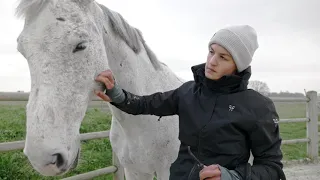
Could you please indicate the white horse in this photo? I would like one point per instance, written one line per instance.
(67, 43)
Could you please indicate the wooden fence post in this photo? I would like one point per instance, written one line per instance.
(119, 174)
(312, 125)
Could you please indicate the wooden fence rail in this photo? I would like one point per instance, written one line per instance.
(311, 120)
(18, 145)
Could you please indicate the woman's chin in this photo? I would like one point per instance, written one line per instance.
(211, 76)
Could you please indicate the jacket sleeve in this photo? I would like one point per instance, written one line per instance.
(265, 146)
(227, 174)
(159, 103)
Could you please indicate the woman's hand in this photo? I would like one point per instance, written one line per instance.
(105, 77)
(211, 172)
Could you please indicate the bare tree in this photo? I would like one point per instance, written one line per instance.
(259, 86)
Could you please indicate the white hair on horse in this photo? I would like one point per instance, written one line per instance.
(67, 43)
(132, 36)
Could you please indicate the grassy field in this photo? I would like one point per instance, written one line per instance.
(97, 153)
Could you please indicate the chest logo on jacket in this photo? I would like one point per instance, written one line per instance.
(231, 108)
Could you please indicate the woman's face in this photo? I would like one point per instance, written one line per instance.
(219, 63)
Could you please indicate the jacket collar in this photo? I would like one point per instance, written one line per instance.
(226, 84)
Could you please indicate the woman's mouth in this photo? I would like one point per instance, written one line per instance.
(210, 70)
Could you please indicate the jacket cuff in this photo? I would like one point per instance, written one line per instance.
(116, 94)
(227, 174)
(123, 101)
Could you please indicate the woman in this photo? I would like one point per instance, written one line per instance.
(220, 120)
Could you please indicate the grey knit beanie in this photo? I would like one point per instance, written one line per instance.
(240, 41)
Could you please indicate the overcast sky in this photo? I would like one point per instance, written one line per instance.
(178, 32)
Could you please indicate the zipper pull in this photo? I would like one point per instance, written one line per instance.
(200, 165)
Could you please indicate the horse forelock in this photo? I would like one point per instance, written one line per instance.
(30, 7)
(132, 36)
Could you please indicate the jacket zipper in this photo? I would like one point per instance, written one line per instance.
(195, 165)
(213, 110)
(199, 138)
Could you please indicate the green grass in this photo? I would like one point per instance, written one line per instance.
(293, 130)
(97, 154)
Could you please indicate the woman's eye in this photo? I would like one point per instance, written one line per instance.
(80, 47)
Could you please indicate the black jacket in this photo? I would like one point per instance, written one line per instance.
(221, 121)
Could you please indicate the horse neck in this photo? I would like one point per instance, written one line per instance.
(134, 72)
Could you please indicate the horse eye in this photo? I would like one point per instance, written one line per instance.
(80, 47)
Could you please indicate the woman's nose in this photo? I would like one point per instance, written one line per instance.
(213, 60)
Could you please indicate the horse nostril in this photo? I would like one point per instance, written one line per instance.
(58, 160)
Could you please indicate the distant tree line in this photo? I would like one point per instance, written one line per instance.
(286, 94)
(264, 89)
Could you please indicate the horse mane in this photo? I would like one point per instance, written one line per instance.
(132, 36)
(28, 8)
